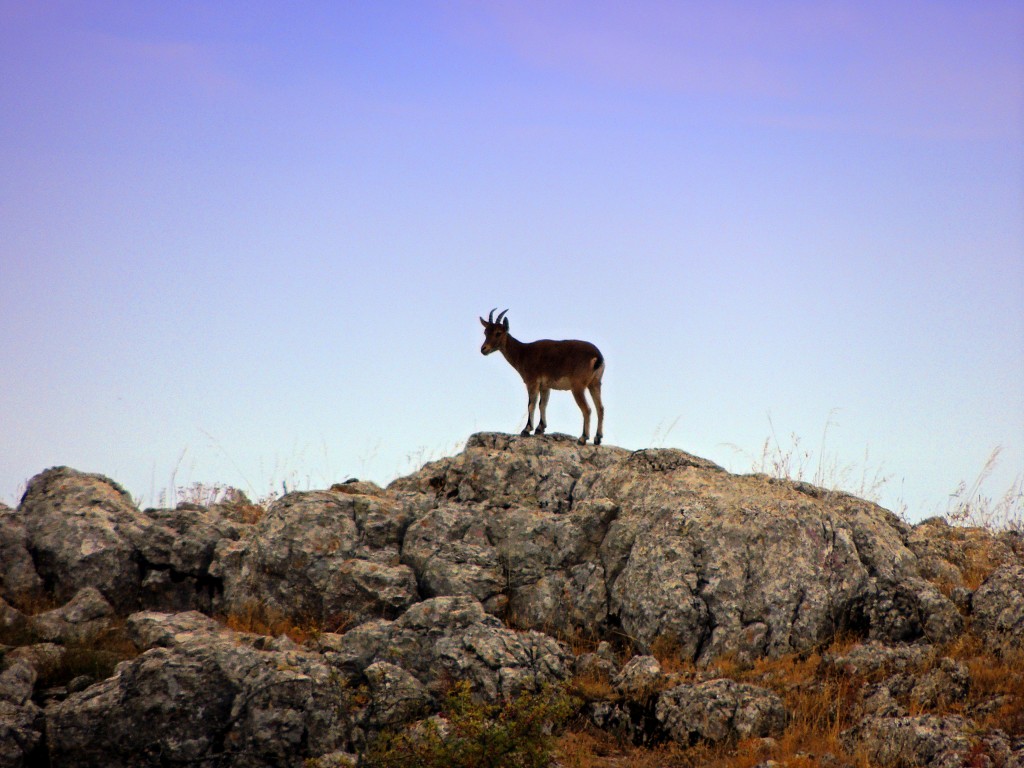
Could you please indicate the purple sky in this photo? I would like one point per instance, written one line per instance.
(247, 243)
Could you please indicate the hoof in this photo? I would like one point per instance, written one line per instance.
(525, 432)
(597, 439)
(582, 440)
(539, 431)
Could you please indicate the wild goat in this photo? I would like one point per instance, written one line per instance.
(546, 365)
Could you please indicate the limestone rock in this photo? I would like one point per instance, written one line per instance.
(952, 556)
(896, 742)
(453, 638)
(467, 570)
(81, 528)
(209, 695)
(720, 710)
(509, 470)
(565, 538)
(638, 679)
(177, 552)
(999, 606)
(84, 616)
(320, 556)
(19, 581)
(904, 678)
(397, 696)
(21, 721)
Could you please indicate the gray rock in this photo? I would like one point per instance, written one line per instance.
(84, 530)
(17, 682)
(44, 658)
(397, 696)
(509, 470)
(720, 711)
(86, 615)
(999, 607)
(574, 541)
(176, 554)
(535, 568)
(453, 638)
(901, 742)
(14, 625)
(153, 629)
(21, 732)
(325, 557)
(566, 538)
(209, 696)
(905, 678)
(639, 678)
(19, 581)
(81, 529)
(952, 556)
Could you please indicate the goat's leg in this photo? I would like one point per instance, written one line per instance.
(581, 401)
(595, 395)
(531, 403)
(545, 393)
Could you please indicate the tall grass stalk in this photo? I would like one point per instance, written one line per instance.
(972, 505)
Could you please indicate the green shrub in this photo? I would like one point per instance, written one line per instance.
(515, 733)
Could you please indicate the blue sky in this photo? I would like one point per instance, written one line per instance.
(248, 243)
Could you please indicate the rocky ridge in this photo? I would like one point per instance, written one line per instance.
(489, 567)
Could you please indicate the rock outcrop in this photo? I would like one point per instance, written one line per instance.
(480, 568)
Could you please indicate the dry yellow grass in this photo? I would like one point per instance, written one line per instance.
(823, 700)
(260, 619)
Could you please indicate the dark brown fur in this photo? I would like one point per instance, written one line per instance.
(545, 365)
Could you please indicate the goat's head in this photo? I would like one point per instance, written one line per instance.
(495, 332)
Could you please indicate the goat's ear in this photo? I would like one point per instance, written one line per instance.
(483, 322)
(505, 323)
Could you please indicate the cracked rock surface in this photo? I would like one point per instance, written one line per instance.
(476, 568)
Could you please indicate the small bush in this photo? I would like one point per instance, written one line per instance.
(515, 733)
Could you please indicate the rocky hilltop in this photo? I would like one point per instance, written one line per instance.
(231, 635)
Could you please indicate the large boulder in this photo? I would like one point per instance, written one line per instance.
(663, 544)
(901, 742)
(75, 530)
(453, 638)
(83, 617)
(505, 470)
(177, 553)
(203, 695)
(324, 557)
(83, 531)
(999, 607)
(720, 710)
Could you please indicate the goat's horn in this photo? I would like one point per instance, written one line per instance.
(501, 315)
(490, 317)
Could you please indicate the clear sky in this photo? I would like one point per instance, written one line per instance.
(248, 242)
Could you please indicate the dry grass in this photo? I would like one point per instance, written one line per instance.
(593, 686)
(996, 695)
(972, 505)
(823, 700)
(260, 619)
(668, 651)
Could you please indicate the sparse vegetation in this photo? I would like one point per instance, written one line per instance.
(971, 504)
(515, 733)
(260, 619)
(823, 700)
